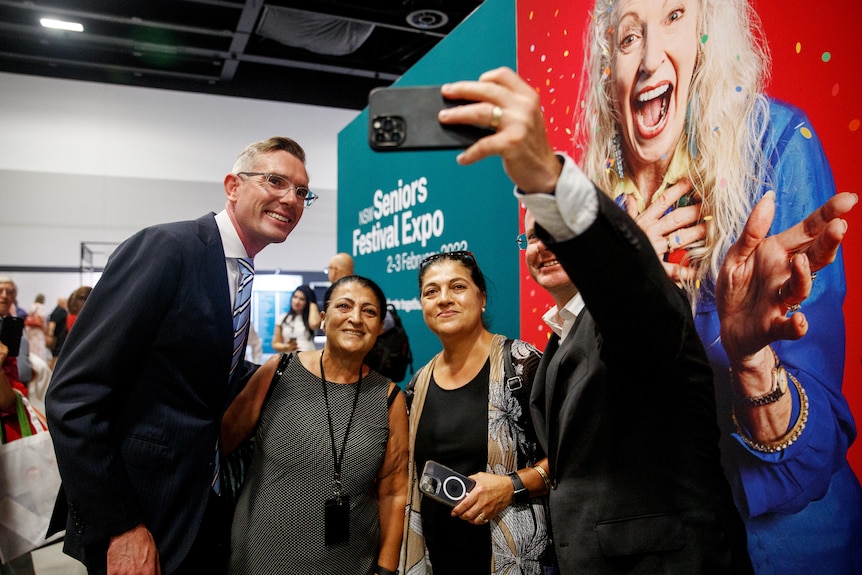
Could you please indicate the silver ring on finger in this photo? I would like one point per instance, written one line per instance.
(482, 518)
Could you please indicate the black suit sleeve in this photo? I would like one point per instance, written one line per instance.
(643, 316)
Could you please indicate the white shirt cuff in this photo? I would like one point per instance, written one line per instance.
(571, 209)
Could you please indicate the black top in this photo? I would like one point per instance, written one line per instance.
(453, 431)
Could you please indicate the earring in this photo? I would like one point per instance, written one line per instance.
(618, 156)
(483, 310)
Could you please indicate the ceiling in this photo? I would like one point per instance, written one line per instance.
(322, 52)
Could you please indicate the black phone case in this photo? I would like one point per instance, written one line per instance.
(443, 484)
(10, 334)
(405, 118)
(337, 520)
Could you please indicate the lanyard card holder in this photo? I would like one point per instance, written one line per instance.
(337, 519)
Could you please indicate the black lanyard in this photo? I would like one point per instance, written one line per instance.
(338, 459)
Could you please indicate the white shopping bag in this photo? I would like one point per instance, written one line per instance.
(29, 482)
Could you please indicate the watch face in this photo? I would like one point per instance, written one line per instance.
(782, 381)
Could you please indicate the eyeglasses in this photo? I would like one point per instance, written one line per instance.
(462, 256)
(524, 240)
(281, 186)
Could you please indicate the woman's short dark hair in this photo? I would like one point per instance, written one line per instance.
(364, 282)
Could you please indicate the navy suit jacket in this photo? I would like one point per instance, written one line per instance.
(625, 410)
(136, 400)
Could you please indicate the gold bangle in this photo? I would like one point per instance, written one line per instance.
(544, 476)
(790, 437)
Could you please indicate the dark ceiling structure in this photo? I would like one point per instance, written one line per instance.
(321, 52)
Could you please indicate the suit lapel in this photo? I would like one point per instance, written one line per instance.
(558, 384)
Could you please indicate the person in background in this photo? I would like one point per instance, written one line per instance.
(340, 265)
(76, 304)
(330, 434)
(254, 349)
(10, 384)
(151, 362)
(56, 332)
(678, 129)
(25, 369)
(294, 330)
(35, 325)
(467, 415)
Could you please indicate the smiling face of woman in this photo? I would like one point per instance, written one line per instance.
(353, 319)
(451, 302)
(651, 72)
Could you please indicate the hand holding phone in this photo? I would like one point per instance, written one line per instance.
(405, 118)
(443, 484)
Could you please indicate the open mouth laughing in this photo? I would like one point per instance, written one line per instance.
(650, 109)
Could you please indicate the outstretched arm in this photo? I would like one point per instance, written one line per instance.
(240, 419)
(761, 280)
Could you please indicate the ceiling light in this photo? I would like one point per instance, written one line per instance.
(61, 25)
(427, 19)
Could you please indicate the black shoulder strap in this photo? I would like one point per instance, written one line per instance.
(513, 382)
(392, 395)
(279, 371)
(390, 309)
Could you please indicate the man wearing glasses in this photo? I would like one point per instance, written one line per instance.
(137, 397)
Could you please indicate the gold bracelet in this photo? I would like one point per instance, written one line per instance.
(544, 475)
(790, 437)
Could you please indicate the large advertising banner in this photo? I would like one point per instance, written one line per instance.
(815, 67)
(396, 208)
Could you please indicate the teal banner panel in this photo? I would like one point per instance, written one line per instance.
(395, 208)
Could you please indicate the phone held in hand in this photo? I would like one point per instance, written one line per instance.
(405, 118)
(443, 484)
(10, 334)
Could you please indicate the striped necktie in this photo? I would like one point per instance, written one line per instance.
(242, 310)
(241, 318)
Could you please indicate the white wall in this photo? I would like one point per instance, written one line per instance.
(85, 162)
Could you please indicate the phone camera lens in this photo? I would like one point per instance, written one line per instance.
(429, 485)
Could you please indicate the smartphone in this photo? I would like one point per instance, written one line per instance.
(443, 484)
(405, 118)
(10, 334)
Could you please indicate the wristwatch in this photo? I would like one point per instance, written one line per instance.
(779, 387)
(521, 495)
